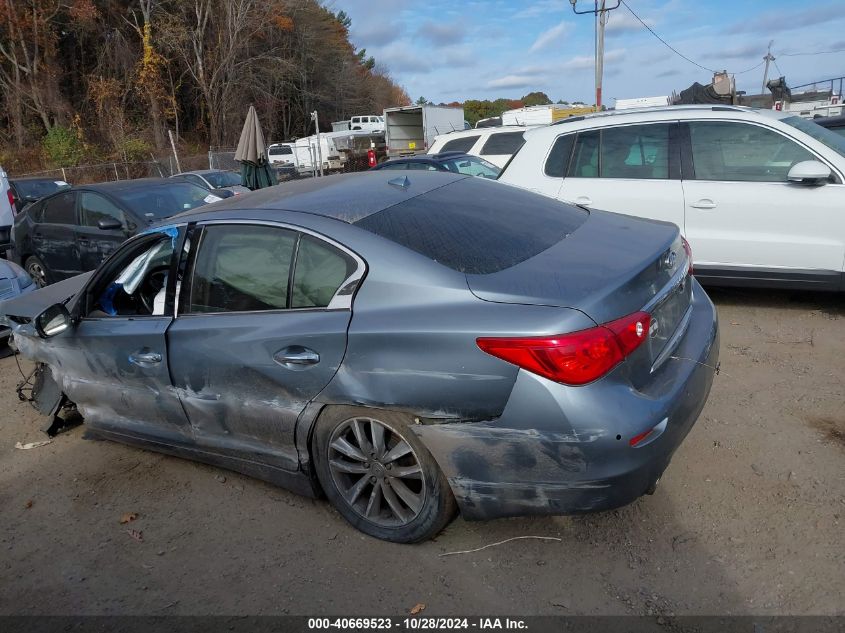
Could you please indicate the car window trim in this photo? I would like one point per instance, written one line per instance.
(107, 267)
(341, 300)
(834, 170)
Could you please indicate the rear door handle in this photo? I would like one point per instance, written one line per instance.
(583, 200)
(145, 358)
(296, 357)
(704, 203)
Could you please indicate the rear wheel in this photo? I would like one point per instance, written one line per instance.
(379, 476)
(38, 271)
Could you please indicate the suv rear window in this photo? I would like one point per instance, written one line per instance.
(502, 143)
(476, 226)
(459, 144)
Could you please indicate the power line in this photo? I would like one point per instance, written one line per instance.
(665, 43)
(837, 50)
(748, 70)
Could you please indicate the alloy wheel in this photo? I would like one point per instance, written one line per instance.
(36, 271)
(376, 471)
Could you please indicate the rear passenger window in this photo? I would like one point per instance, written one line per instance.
(60, 209)
(638, 152)
(635, 151)
(242, 268)
(723, 150)
(559, 156)
(460, 144)
(502, 143)
(320, 271)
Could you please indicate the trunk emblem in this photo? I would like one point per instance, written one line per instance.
(669, 260)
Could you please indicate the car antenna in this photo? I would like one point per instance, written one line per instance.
(403, 182)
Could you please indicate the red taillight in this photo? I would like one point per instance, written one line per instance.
(576, 358)
(688, 251)
(11, 201)
(371, 157)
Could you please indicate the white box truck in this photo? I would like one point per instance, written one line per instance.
(411, 129)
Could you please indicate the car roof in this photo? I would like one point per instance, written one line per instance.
(35, 179)
(125, 185)
(200, 172)
(344, 197)
(652, 114)
(481, 131)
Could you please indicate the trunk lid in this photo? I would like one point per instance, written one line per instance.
(611, 266)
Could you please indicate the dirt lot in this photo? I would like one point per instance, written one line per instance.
(748, 517)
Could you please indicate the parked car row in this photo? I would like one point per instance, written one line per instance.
(514, 347)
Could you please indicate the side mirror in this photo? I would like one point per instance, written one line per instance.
(809, 172)
(109, 224)
(223, 193)
(52, 321)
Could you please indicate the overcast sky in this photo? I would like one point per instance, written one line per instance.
(453, 50)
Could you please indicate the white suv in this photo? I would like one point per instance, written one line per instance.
(759, 194)
(494, 144)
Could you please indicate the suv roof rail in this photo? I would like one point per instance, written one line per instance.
(570, 119)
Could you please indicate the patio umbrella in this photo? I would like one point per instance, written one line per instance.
(251, 153)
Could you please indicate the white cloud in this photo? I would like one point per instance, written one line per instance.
(551, 36)
(623, 22)
(512, 81)
(585, 62)
(542, 8)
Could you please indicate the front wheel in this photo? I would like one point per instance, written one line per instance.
(379, 475)
(37, 270)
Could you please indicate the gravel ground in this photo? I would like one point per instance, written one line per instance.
(748, 518)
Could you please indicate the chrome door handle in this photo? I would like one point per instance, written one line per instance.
(145, 358)
(296, 357)
(583, 200)
(704, 203)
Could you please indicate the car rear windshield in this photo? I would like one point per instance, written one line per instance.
(476, 226)
(223, 178)
(162, 201)
(34, 189)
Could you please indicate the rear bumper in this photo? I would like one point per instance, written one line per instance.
(565, 450)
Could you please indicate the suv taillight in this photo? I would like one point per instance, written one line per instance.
(576, 358)
(12, 201)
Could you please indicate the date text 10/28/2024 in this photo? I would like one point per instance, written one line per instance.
(416, 624)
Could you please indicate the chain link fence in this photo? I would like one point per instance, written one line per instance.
(105, 172)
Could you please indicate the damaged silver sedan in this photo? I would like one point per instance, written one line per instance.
(406, 346)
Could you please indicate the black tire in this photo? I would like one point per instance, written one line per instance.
(432, 495)
(38, 271)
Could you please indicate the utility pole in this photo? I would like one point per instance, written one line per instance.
(768, 58)
(601, 21)
(319, 146)
(600, 10)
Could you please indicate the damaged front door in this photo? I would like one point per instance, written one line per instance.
(259, 334)
(113, 364)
